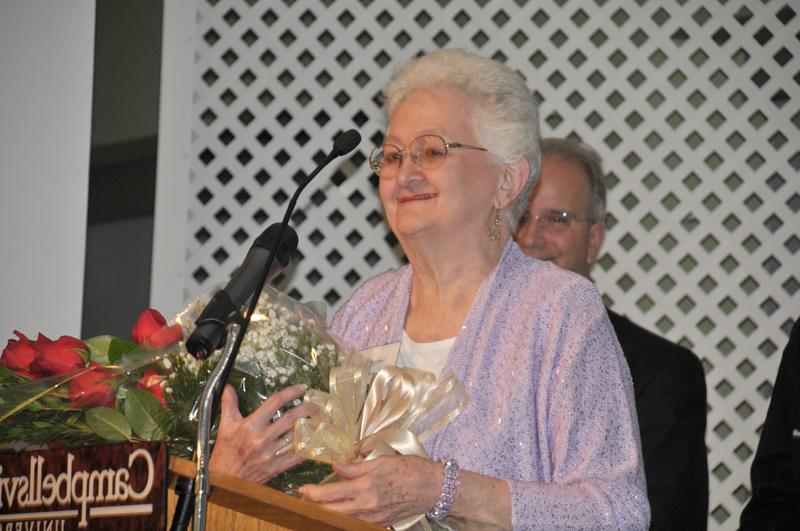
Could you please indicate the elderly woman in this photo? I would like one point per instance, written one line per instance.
(549, 438)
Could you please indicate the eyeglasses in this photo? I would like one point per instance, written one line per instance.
(426, 151)
(552, 219)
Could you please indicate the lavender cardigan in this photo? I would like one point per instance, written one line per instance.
(551, 402)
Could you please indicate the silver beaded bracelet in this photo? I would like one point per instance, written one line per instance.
(448, 494)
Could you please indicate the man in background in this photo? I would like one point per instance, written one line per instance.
(775, 473)
(565, 224)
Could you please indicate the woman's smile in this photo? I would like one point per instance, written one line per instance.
(416, 197)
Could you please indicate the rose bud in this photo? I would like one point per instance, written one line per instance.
(151, 381)
(151, 330)
(18, 354)
(91, 389)
(59, 356)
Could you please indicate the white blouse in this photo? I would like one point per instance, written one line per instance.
(429, 356)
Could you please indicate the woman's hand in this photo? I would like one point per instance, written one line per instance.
(255, 448)
(383, 490)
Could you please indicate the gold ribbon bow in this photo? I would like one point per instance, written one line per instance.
(352, 423)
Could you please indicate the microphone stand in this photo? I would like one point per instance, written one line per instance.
(213, 389)
(208, 403)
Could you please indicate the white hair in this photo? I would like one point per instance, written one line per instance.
(507, 121)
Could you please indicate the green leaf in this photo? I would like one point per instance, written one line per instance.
(108, 423)
(119, 348)
(109, 349)
(98, 348)
(143, 411)
(6, 373)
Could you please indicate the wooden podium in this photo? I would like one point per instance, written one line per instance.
(238, 504)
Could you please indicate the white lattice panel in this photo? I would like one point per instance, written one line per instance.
(692, 104)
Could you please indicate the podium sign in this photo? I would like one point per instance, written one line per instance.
(114, 486)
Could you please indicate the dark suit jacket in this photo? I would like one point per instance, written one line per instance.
(670, 390)
(775, 474)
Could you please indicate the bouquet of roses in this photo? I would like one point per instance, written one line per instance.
(68, 392)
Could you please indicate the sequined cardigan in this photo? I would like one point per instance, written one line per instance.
(551, 407)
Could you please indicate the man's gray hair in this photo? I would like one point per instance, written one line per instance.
(507, 121)
(589, 160)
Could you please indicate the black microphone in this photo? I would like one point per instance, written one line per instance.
(345, 142)
(209, 334)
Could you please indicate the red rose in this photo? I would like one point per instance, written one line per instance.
(151, 330)
(92, 389)
(57, 357)
(152, 381)
(19, 353)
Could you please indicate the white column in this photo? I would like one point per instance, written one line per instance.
(172, 173)
(46, 61)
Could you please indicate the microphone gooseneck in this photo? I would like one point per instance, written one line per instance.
(343, 144)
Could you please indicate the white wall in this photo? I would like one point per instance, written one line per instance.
(172, 173)
(46, 59)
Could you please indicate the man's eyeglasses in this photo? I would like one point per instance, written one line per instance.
(426, 151)
(552, 219)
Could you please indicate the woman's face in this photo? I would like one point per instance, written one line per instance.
(454, 200)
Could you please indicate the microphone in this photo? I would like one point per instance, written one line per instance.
(345, 142)
(209, 334)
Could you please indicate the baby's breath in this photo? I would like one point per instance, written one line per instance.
(283, 348)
